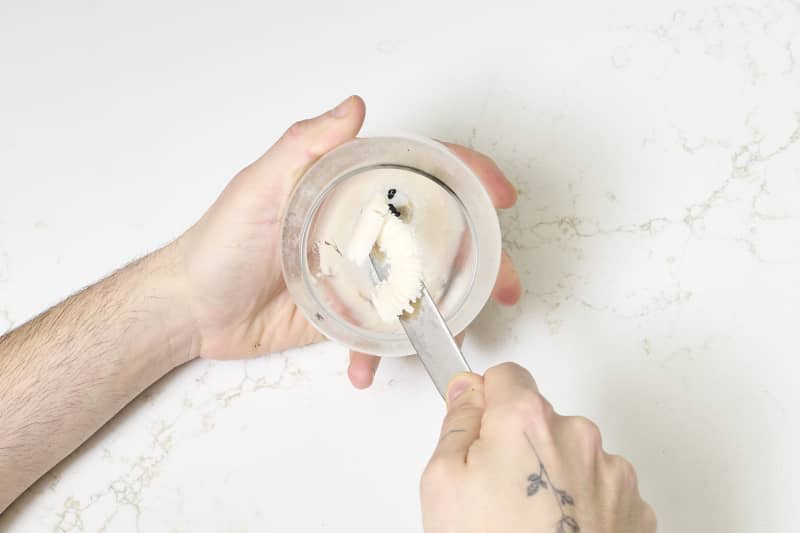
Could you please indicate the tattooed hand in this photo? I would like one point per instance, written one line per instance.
(506, 462)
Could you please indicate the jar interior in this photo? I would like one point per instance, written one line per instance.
(442, 231)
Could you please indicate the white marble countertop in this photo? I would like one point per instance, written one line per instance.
(656, 147)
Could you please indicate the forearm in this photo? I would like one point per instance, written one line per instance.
(68, 371)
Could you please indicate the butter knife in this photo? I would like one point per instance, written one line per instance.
(429, 335)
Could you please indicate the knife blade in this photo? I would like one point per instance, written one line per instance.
(429, 335)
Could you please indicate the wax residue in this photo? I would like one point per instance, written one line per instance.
(382, 230)
(414, 227)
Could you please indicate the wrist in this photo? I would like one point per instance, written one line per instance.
(168, 289)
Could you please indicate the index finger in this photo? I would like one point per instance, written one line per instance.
(514, 407)
(506, 383)
(500, 189)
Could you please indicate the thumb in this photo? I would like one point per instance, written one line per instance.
(462, 425)
(303, 143)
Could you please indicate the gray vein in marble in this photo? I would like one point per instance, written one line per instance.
(128, 489)
(251, 384)
(743, 159)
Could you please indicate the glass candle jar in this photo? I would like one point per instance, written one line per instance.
(456, 231)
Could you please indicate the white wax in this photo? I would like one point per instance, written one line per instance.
(420, 246)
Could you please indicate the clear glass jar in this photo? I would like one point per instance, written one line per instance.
(458, 236)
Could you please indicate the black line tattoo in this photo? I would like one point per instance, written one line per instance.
(541, 481)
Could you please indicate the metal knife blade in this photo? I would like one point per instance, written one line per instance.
(431, 338)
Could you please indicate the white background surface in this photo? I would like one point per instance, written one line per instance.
(656, 147)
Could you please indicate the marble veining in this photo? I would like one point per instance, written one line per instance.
(656, 149)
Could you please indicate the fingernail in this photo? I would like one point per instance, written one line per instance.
(341, 110)
(457, 387)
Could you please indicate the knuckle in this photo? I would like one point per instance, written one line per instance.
(511, 366)
(510, 374)
(623, 472)
(492, 373)
(531, 408)
(297, 129)
(503, 369)
(587, 431)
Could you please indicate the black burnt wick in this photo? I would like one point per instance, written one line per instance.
(393, 210)
(391, 193)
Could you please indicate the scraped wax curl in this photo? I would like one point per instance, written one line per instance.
(382, 228)
(409, 223)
